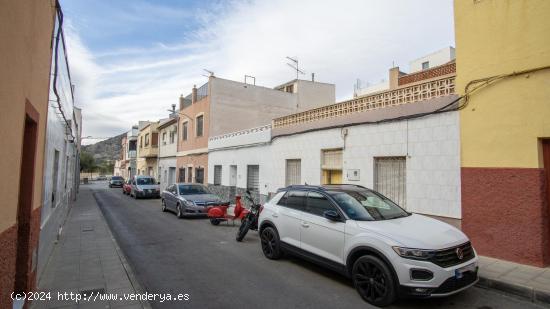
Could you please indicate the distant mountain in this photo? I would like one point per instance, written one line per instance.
(107, 150)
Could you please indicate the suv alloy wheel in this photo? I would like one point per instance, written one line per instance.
(271, 245)
(374, 281)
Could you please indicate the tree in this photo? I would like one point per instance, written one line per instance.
(87, 162)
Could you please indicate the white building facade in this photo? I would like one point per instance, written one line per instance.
(392, 142)
(168, 142)
(61, 152)
(425, 150)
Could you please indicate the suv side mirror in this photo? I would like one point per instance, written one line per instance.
(331, 215)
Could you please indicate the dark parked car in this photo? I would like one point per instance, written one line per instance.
(116, 181)
(144, 186)
(188, 199)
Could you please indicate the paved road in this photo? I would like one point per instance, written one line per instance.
(171, 255)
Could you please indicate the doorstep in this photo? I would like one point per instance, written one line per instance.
(525, 281)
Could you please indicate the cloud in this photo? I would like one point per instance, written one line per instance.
(338, 40)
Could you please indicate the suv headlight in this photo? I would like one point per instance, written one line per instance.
(415, 254)
(188, 203)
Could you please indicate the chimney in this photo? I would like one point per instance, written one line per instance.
(394, 77)
(181, 102)
(194, 94)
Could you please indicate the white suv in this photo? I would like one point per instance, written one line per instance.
(386, 251)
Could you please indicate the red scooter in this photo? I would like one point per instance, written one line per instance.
(219, 213)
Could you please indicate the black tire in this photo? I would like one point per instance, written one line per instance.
(179, 214)
(243, 229)
(163, 207)
(215, 221)
(271, 245)
(374, 281)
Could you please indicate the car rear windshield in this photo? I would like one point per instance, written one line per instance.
(368, 205)
(193, 189)
(117, 178)
(146, 181)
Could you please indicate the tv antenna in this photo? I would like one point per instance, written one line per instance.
(210, 73)
(295, 66)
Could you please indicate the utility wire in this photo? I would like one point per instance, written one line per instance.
(56, 67)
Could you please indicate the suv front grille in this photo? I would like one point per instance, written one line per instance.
(450, 257)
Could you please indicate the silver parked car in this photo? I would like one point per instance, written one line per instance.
(144, 186)
(189, 199)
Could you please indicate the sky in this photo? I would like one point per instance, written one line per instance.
(131, 60)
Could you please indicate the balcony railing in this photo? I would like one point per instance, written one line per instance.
(149, 151)
(132, 154)
(402, 95)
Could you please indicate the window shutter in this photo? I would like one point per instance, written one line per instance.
(293, 172)
(390, 178)
(253, 177)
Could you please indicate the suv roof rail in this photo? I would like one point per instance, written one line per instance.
(345, 184)
(304, 187)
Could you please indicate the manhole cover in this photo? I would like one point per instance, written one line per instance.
(87, 228)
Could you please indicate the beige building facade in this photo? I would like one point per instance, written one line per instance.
(25, 57)
(147, 151)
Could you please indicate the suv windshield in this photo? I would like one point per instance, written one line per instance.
(368, 205)
(193, 189)
(116, 178)
(146, 181)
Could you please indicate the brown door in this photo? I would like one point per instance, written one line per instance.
(26, 186)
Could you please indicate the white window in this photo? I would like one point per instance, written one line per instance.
(253, 177)
(293, 172)
(390, 178)
(217, 175)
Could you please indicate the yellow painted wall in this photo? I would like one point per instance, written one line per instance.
(25, 58)
(503, 122)
(143, 163)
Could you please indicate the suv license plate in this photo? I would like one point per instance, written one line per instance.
(459, 272)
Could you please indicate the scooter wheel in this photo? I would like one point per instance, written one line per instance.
(215, 221)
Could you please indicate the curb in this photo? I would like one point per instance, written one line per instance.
(525, 292)
(138, 288)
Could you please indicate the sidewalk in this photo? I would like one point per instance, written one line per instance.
(529, 282)
(87, 260)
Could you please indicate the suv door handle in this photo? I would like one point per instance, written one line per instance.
(274, 215)
(304, 224)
